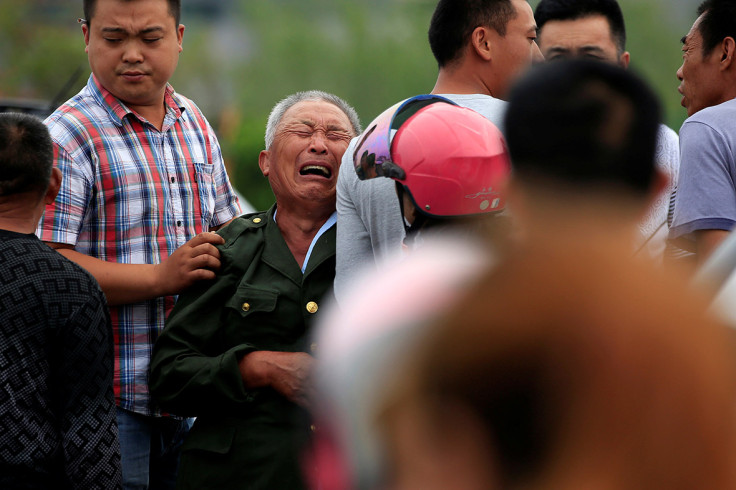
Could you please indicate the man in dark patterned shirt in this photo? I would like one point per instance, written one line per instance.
(57, 410)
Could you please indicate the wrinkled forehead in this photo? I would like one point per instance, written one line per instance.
(316, 113)
(694, 35)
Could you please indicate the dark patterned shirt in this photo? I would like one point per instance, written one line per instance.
(57, 409)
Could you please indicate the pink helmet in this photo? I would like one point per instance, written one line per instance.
(450, 159)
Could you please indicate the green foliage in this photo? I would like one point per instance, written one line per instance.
(238, 66)
(36, 58)
(370, 55)
(655, 53)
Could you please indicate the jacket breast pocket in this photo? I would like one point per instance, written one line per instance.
(249, 300)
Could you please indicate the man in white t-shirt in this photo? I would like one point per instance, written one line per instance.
(595, 29)
(479, 56)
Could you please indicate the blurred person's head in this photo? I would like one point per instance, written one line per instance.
(27, 178)
(387, 311)
(450, 163)
(708, 72)
(306, 136)
(566, 367)
(489, 40)
(591, 29)
(583, 130)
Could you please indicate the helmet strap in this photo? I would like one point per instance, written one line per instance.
(419, 218)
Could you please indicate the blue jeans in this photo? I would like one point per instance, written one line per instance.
(149, 449)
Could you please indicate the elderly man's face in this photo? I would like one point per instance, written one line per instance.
(699, 74)
(304, 159)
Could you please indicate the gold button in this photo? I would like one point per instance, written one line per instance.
(256, 220)
(312, 307)
(313, 347)
(246, 306)
(313, 428)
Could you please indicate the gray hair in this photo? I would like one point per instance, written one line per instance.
(278, 111)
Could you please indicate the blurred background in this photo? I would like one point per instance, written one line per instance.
(241, 56)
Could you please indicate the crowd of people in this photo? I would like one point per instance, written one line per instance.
(487, 287)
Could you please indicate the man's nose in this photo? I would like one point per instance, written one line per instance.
(132, 52)
(679, 73)
(318, 142)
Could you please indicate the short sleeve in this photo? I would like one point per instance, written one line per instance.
(227, 206)
(706, 197)
(62, 220)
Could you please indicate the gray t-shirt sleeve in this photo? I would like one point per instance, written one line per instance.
(706, 196)
(369, 223)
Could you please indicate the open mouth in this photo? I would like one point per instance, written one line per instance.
(317, 170)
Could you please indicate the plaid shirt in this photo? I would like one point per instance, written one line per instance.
(133, 194)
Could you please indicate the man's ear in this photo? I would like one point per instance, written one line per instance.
(728, 50)
(264, 162)
(480, 40)
(54, 186)
(624, 59)
(85, 33)
(180, 36)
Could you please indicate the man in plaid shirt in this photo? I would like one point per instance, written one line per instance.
(143, 187)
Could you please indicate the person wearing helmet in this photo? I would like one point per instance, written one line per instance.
(449, 163)
(450, 167)
(480, 48)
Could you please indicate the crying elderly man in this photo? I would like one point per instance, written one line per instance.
(235, 352)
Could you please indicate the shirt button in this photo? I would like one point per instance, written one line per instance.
(256, 220)
(246, 306)
(313, 347)
(312, 307)
(313, 428)
(173, 179)
(178, 223)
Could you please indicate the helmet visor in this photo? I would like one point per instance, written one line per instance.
(372, 156)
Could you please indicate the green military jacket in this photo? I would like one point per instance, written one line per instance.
(260, 300)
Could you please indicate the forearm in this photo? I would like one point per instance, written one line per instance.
(187, 383)
(121, 283)
(196, 260)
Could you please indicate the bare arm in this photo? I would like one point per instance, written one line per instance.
(194, 261)
(286, 372)
(706, 241)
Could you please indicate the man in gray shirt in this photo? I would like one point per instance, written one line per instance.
(705, 207)
(479, 56)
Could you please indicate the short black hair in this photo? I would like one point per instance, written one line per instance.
(26, 154)
(584, 123)
(578, 9)
(174, 10)
(718, 23)
(453, 22)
